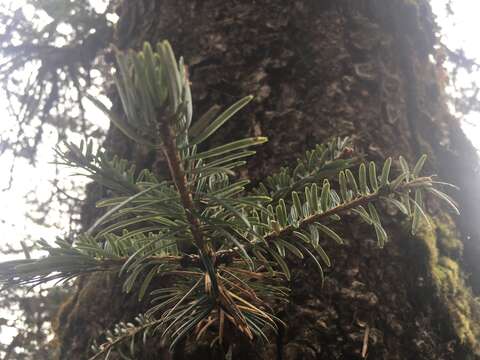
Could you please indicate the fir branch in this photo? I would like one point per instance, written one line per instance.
(342, 208)
(240, 238)
(121, 333)
(33, 272)
(170, 150)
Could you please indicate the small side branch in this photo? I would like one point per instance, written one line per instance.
(364, 200)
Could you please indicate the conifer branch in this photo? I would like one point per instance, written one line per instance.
(170, 150)
(123, 332)
(241, 237)
(361, 201)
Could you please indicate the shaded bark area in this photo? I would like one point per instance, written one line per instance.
(319, 69)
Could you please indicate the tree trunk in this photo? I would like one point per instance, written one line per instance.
(317, 69)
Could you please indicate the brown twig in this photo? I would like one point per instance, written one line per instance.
(169, 149)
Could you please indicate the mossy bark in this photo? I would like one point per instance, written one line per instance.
(359, 68)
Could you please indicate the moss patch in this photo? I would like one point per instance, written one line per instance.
(448, 240)
(443, 250)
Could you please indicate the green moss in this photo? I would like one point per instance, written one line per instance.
(448, 239)
(92, 299)
(428, 244)
(443, 248)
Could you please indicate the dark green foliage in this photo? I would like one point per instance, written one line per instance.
(226, 247)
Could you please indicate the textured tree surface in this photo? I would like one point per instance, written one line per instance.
(317, 69)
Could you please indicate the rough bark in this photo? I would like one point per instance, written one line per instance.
(319, 69)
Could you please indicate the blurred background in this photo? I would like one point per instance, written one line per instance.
(52, 53)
